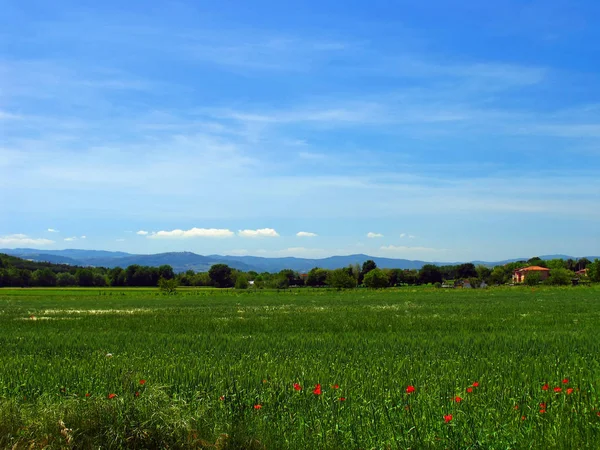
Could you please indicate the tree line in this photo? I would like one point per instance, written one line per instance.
(17, 272)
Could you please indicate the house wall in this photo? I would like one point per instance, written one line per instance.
(519, 277)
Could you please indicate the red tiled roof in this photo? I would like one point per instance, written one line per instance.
(532, 269)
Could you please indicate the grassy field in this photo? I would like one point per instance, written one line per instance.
(406, 368)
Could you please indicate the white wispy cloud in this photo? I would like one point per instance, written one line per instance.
(22, 239)
(192, 233)
(306, 234)
(372, 235)
(262, 232)
(82, 237)
(142, 233)
(71, 239)
(4, 115)
(52, 230)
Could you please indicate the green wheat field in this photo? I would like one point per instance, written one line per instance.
(500, 368)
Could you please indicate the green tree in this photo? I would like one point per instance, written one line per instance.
(142, 276)
(532, 278)
(167, 285)
(165, 271)
(292, 278)
(483, 273)
(560, 277)
(241, 282)
(583, 263)
(259, 282)
(44, 277)
(116, 277)
(220, 275)
(201, 279)
(367, 266)
(536, 261)
(99, 279)
(395, 276)
(466, 270)
(316, 277)
(84, 277)
(130, 273)
(594, 270)
(556, 263)
(376, 279)
(498, 275)
(340, 279)
(66, 279)
(280, 282)
(430, 273)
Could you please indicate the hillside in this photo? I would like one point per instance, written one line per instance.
(183, 261)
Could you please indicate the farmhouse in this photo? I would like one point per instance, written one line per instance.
(582, 273)
(520, 274)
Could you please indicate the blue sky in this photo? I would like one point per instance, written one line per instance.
(420, 130)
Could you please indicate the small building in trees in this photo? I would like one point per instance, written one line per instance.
(519, 275)
(582, 273)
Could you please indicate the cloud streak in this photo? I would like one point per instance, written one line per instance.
(306, 234)
(192, 233)
(372, 235)
(259, 233)
(17, 240)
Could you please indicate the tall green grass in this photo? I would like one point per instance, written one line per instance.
(208, 358)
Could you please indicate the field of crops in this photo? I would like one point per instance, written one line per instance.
(304, 369)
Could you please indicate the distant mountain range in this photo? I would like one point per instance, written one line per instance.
(182, 261)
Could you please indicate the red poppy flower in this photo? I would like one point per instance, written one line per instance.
(557, 389)
(264, 380)
(317, 389)
(457, 399)
(542, 406)
(469, 390)
(336, 386)
(523, 417)
(258, 406)
(545, 387)
(565, 381)
(475, 384)
(142, 382)
(137, 394)
(570, 391)
(87, 394)
(111, 396)
(448, 418)
(297, 387)
(410, 389)
(598, 413)
(516, 406)
(342, 399)
(542, 411)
